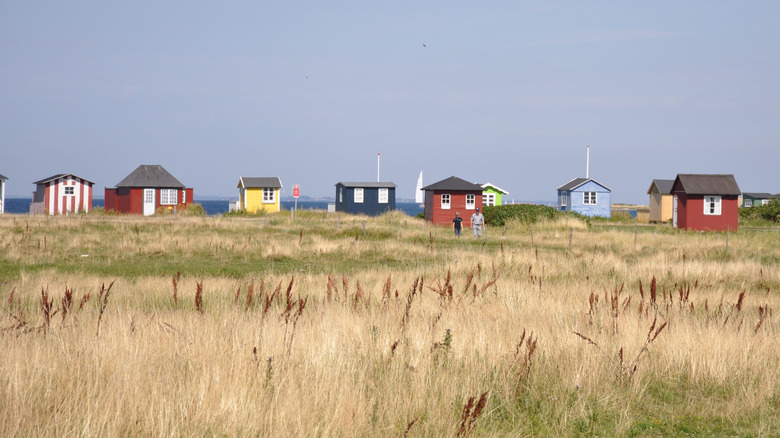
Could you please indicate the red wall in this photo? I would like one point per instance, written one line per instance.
(131, 200)
(109, 199)
(690, 214)
(457, 204)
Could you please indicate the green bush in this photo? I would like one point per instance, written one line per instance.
(195, 209)
(769, 212)
(499, 215)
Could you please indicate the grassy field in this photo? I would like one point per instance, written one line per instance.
(264, 326)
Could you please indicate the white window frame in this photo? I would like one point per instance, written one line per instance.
(269, 195)
(488, 199)
(712, 205)
(183, 196)
(169, 196)
(748, 202)
(765, 202)
(564, 199)
(471, 201)
(70, 189)
(446, 201)
(341, 194)
(589, 198)
(383, 195)
(358, 195)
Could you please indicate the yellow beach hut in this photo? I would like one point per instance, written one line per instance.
(661, 206)
(256, 194)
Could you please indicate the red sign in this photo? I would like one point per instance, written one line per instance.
(296, 191)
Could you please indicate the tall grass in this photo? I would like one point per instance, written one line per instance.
(299, 328)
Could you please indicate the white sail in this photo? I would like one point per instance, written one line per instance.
(418, 194)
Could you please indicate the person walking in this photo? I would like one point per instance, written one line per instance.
(477, 223)
(457, 224)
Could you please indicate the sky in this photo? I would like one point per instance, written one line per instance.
(506, 92)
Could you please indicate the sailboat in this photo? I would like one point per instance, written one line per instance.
(419, 195)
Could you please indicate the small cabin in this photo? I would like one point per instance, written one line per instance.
(145, 190)
(660, 192)
(448, 196)
(585, 196)
(706, 202)
(63, 193)
(368, 198)
(256, 194)
(492, 195)
(757, 199)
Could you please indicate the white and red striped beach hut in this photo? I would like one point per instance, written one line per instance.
(62, 193)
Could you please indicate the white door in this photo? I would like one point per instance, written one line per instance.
(149, 206)
(674, 211)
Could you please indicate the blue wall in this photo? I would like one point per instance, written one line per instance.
(603, 205)
(370, 205)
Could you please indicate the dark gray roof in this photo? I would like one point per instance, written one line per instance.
(270, 182)
(664, 186)
(368, 185)
(61, 175)
(150, 175)
(755, 195)
(454, 183)
(3, 178)
(708, 184)
(576, 182)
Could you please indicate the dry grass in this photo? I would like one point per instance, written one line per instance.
(319, 330)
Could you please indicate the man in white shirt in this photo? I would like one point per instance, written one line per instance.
(477, 222)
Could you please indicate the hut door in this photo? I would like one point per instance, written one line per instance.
(149, 206)
(674, 211)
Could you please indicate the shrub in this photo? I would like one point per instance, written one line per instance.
(769, 212)
(499, 215)
(195, 209)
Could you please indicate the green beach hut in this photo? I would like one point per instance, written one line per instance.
(492, 194)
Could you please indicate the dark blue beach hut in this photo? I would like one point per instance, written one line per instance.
(368, 198)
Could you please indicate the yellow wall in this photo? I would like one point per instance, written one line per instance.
(660, 207)
(667, 208)
(254, 201)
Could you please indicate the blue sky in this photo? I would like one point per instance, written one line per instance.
(509, 92)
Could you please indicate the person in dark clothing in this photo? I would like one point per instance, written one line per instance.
(457, 224)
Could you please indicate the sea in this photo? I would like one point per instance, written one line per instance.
(215, 207)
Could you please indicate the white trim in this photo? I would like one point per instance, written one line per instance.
(87, 196)
(153, 202)
(473, 204)
(272, 198)
(358, 199)
(712, 205)
(76, 197)
(169, 196)
(448, 204)
(52, 188)
(590, 200)
(497, 188)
